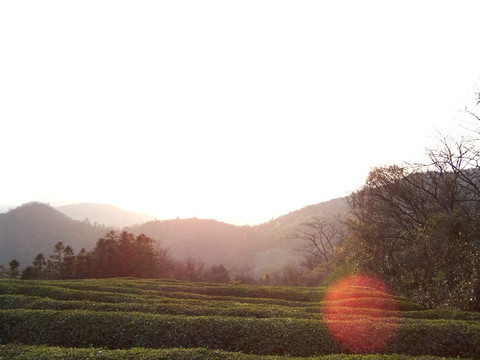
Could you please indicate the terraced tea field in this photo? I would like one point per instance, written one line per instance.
(165, 319)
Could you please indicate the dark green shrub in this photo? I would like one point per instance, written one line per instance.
(24, 352)
(298, 337)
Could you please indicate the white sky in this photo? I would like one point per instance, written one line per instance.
(235, 110)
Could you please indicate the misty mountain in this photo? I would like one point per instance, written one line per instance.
(263, 248)
(35, 227)
(328, 208)
(211, 241)
(104, 214)
(276, 248)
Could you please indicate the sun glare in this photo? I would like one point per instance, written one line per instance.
(360, 313)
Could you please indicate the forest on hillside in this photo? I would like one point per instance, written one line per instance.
(35, 228)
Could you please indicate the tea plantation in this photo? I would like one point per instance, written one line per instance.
(128, 318)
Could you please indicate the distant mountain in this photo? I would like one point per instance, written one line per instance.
(35, 227)
(263, 248)
(104, 214)
(211, 241)
(324, 209)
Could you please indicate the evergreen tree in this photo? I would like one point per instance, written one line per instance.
(13, 269)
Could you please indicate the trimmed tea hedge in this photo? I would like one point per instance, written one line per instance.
(23, 352)
(216, 321)
(296, 296)
(298, 337)
(174, 308)
(210, 308)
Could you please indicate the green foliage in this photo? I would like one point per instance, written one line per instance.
(299, 337)
(125, 330)
(203, 308)
(13, 269)
(419, 229)
(153, 292)
(153, 314)
(24, 352)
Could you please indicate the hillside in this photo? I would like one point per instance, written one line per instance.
(211, 241)
(263, 248)
(35, 227)
(104, 214)
(328, 208)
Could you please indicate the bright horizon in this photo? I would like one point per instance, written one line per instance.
(236, 111)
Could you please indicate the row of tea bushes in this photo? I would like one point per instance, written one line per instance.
(105, 294)
(212, 308)
(95, 293)
(163, 288)
(25, 352)
(209, 308)
(275, 336)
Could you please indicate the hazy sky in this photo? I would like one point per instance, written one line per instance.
(235, 110)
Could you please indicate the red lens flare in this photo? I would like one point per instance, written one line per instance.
(360, 314)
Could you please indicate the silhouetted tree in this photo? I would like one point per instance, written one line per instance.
(36, 270)
(13, 269)
(55, 264)
(243, 275)
(105, 256)
(39, 265)
(165, 264)
(191, 270)
(217, 274)
(320, 237)
(83, 265)
(289, 275)
(144, 257)
(3, 272)
(29, 273)
(419, 228)
(126, 244)
(67, 270)
(126, 255)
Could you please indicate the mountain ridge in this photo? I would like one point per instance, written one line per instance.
(35, 227)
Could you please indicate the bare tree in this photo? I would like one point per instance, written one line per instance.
(320, 237)
(418, 225)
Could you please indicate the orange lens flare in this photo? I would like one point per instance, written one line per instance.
(360, 314)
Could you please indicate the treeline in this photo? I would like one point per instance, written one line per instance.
(126, 255)
(114, 255)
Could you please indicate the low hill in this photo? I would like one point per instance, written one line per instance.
(263, 248)
(211, 241)
(104, 214)
(328, 208)
(35, 228)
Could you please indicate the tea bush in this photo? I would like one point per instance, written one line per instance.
(206, 321)
(298, 337)
(23, 352)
